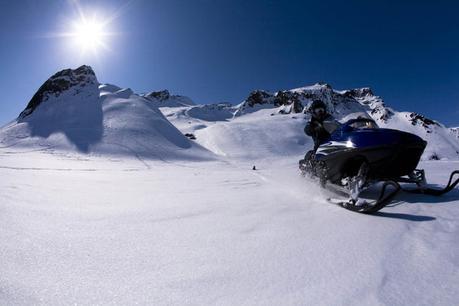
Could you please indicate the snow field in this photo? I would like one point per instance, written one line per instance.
(112, 232)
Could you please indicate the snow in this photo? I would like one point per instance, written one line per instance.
(315, 87)
(103, 200)
(254, 136)
(77, 229)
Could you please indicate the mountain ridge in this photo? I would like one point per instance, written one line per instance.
(72, 101)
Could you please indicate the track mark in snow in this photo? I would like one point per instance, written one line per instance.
(182, 216)
(137, 156)
(240, 183)
(262, 177)
(47, 148)
(45, 169)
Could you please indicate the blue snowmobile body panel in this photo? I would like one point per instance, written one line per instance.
(389, 153)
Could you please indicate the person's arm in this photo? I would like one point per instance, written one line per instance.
(308, 129)
(312, 128)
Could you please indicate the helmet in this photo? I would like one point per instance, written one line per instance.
(318, 109)
(317, 104)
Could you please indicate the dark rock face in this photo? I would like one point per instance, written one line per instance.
(419, 119)
(297, 100)
(159, 95)
(358, 93)
(280, 98)
(58, 83)
(190, 136)
(289, 98)
(382, 113)
(257, 97)
(455, 132)
(338, 102)
(164, 98)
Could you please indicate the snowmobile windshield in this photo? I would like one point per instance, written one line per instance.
(331, 125)
(363, 124)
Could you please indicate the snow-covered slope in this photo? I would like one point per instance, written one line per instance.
(72, 112)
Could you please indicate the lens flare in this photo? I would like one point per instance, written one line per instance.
(89, 35)
(88, 32)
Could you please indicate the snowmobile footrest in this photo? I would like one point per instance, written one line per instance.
(372, 207)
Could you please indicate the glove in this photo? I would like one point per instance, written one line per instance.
(318, 127)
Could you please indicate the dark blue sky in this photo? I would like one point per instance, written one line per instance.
(213, 51)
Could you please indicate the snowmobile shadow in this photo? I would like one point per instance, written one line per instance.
(405, 197)
(402, 216)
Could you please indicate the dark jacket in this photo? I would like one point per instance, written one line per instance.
(315, 129)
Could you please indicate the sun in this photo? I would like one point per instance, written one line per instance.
(88, 32)
(89, 35)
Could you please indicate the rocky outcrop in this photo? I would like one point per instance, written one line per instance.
(163, 98)
(63, 81)
(416, 119)
(259, 97)
(426, 123)
(289, 98)
(158, 95)
(298, 100)
(358, 92)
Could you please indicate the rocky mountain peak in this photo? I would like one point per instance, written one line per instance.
(62, 81)
(323, 84)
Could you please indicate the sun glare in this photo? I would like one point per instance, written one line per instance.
(88, 32)
(89, 35)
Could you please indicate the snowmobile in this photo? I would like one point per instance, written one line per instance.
(359, 156)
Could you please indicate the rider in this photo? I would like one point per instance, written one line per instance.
(314, 127)
(316, 130)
